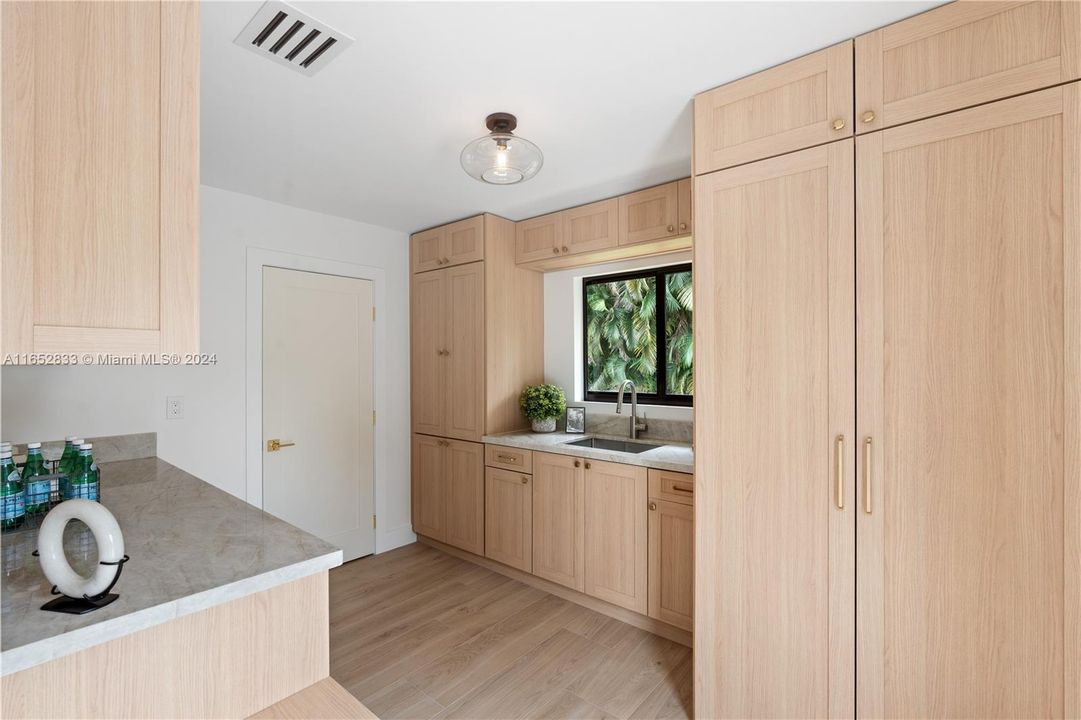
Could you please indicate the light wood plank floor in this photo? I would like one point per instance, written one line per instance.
(416, 633)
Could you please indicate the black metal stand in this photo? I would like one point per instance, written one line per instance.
(85, 604)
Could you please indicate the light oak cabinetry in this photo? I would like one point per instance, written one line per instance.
(774, 563)
(804, 102)
(647, 222)
(559, 519)
(927, 561)
(969, 406)
(508, 514)
(100, 146)
(454, 244)
(964, 54)
(448, 491)
(616, 527)
(671, 548)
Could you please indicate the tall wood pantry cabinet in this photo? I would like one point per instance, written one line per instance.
(888, 397)
(100, 136)
(476, 340)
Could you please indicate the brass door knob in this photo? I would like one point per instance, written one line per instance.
(577, 464)
(555, 250)
(565, 248)
(653, 506)
(587, 466)
(839, 124)
(275, 445)
(671, 228)
(683, 226)
(868, 116)
(525, 480)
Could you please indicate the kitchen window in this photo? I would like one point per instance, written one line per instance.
(637, 326)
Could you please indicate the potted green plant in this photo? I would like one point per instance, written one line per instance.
(542, 404)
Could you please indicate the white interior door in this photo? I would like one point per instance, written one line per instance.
(318, 402)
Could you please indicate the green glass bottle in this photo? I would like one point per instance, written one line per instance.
(67, 463)
(12, 496)
(37, 491)
(84, 477)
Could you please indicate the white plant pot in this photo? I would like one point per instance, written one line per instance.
(548, 425)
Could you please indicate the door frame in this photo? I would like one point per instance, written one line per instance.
(257, 259)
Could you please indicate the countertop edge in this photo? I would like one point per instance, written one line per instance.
(51, 648)
(558, 448)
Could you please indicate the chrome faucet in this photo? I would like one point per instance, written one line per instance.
(636, 424)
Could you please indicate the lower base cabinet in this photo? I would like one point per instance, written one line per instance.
(616, 534)
(448, 491)
(508, 518)
(671, 563)
(559, 519)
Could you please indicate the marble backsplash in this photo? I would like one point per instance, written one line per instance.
(108, 448)
(681, 431)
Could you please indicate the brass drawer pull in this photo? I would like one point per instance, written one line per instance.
(868, 116)
(682, 489)
(839, 466)
(507, 458)
(653, 506)
(867, 476)
(839, 124)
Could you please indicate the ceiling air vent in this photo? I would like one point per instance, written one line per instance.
(291, 38)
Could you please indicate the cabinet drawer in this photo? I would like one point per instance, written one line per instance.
(674, 486)
(508, 458)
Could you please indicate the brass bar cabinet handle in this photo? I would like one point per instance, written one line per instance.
(682, 489)
(506, 458)
(867, 469)
(839, 467)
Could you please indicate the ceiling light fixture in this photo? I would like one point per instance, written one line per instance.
(501, 157)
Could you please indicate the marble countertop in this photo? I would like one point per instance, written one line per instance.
(192, 546)
(678, 457)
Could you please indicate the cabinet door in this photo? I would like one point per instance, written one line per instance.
(964, 54)
(538, 238)
(558, 519)
(671, 563)
(464, 352)
(428, 342)
(465, 495)
(591, 227)
(650, 214)
(429, 487)
(616, 552)
(508, 518)
(773, 265)
(463, 241)
(100, 177)
(804, 102)
(684, 200)
(426, 249)
(969, 250)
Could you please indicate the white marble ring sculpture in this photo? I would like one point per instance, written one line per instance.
(54, 561)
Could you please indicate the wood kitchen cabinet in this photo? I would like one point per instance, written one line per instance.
(453, 244)
(100, 140)
(508, 518)
(559, 519)
(591, 227)
(964, 54)
(803, 102)
(538, 238)
(651, 214)
(464, 386)
(774, 560)
(969, 278)
(616, 527)
(448, 491)
(671, 562)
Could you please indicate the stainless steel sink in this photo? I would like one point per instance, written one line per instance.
(618, 445)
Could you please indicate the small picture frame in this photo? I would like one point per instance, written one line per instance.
(576, 419)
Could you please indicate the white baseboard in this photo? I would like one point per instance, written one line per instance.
(386, 540)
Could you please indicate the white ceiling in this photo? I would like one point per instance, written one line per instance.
(603, 88)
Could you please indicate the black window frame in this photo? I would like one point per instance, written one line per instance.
(661, 397)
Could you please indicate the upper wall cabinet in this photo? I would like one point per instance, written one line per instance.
(801, 103)
(100, 143)
(454, 244)
(538, 238)
(964, 54)
(655, 213)
(591, 227)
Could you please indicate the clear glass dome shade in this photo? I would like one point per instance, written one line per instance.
(501, 158)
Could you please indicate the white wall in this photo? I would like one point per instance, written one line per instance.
(49, 403)
(563, 331)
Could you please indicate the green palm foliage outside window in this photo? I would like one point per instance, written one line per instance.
(629, 335)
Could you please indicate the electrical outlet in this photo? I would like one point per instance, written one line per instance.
(174, 407)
